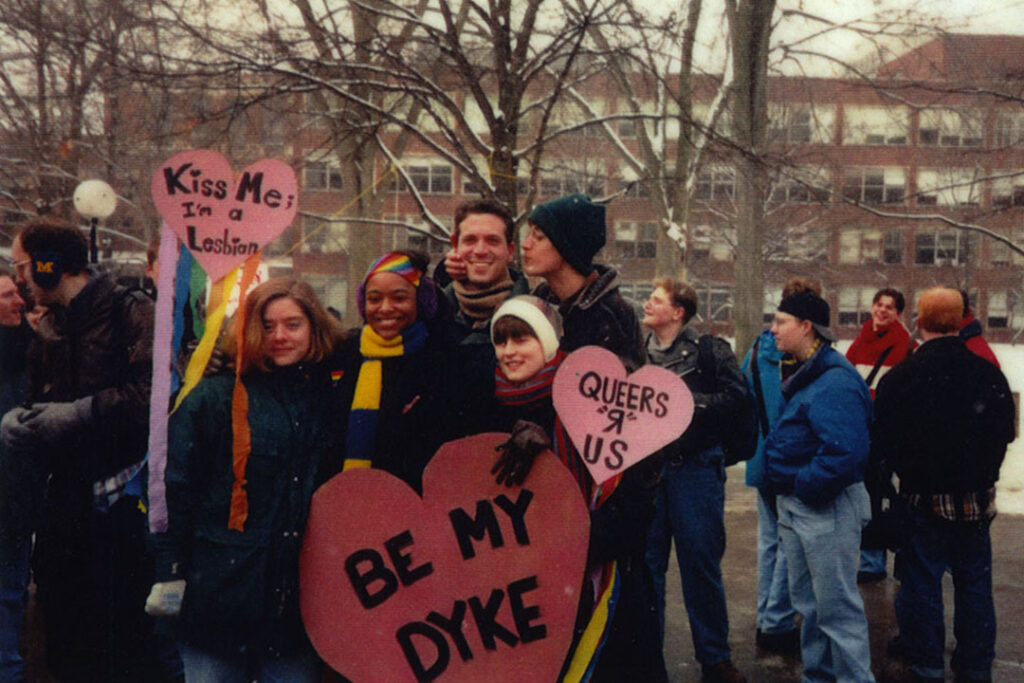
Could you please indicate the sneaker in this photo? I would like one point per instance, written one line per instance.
(786, 642)
(722, 672)
(870, 577)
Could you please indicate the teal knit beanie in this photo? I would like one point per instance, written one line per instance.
(575, 225)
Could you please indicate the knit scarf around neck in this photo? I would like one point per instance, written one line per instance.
(479, 306)
(538, 388)
(362, 417)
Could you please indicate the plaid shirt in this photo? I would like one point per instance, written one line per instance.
(974, 506)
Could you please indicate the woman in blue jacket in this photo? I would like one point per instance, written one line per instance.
(241, 468)
(815, 457)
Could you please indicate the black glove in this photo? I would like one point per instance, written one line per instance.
(517, 454)
(218, 362)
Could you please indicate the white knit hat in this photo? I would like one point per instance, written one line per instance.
(542, 317)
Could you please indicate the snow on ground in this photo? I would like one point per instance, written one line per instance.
(1010, 489)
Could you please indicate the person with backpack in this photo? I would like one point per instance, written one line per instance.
(690, 500)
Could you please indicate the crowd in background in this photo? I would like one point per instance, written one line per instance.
(298, 400)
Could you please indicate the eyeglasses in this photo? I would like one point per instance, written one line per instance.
(18, 265)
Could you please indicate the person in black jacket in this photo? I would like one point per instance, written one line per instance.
(943, 418)
(526, 333)
(690, 501)
(86, 429)
(394, 394)
(565, 234)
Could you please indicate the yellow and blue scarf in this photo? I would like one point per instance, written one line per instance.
(362, 417)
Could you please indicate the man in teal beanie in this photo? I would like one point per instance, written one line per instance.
(565, 235)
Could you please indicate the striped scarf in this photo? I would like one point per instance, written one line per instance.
(538, 388)
(479, 306)
(362, 417)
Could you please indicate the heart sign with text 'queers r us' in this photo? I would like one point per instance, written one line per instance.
(221, 218)
(472, 582)
(616, 420)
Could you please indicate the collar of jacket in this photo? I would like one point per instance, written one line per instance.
(819, 362)
(607, 279)
(681, 350)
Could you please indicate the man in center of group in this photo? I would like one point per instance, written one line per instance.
(482, 279)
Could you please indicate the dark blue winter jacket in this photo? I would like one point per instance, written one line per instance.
(820, 444)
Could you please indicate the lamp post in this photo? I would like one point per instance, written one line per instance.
(94, 199)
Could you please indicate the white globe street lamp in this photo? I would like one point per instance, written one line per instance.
(94, 199)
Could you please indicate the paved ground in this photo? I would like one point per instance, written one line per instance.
(740, 581)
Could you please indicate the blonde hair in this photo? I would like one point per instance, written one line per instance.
(325, 329)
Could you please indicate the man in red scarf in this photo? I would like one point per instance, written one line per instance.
(882, 343)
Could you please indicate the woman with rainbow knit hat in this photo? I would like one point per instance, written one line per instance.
(394, 369)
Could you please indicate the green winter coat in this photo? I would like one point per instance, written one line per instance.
(242, 587)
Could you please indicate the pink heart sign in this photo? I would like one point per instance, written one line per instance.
(472, 582)
(224, 220)
(615, 420)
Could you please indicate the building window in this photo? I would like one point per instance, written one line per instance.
(1001, 255)
(801, 185)
(943, 247)
(318, 175)
(772, 297)
(717, 184)
(803, 243)
(892, 249)
(1005, 309)
(711, 243)
(715, 303)
(860, 245)
(636, 293)
(854, 305)
(881, 185)
(947, 187)
(636, 240)
(1008, 129)
(562, 181)
(635, 189)
(950, 128)
(875, 125)
(1007, 189)
(426, 178)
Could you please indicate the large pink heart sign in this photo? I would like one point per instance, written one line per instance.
(615, 420)
(472, 582)
(223, 219)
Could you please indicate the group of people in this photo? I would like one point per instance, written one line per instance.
(215, 597)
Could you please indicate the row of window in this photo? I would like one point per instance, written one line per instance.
(1004, 308)
(867, 185)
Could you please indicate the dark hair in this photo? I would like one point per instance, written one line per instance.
(325, 329)
(680, 294)
(799, 283)
(46, 234)
(489, 206)
(153, 250)
(895, 294)
(510, 326)
(966, 299)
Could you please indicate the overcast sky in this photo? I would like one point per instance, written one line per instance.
(967, 16)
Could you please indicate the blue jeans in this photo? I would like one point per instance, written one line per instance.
(202, 666)
(964, 547)
(775, 613)
(822, 546)
(690, 507)
(14, 557)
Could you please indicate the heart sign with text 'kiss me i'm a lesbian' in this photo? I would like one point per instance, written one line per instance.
(616, 420)
(221, 218)
(472, 582)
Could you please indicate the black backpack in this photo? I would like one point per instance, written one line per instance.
(736, 432)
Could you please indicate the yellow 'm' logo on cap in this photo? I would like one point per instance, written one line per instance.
(44, 266)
